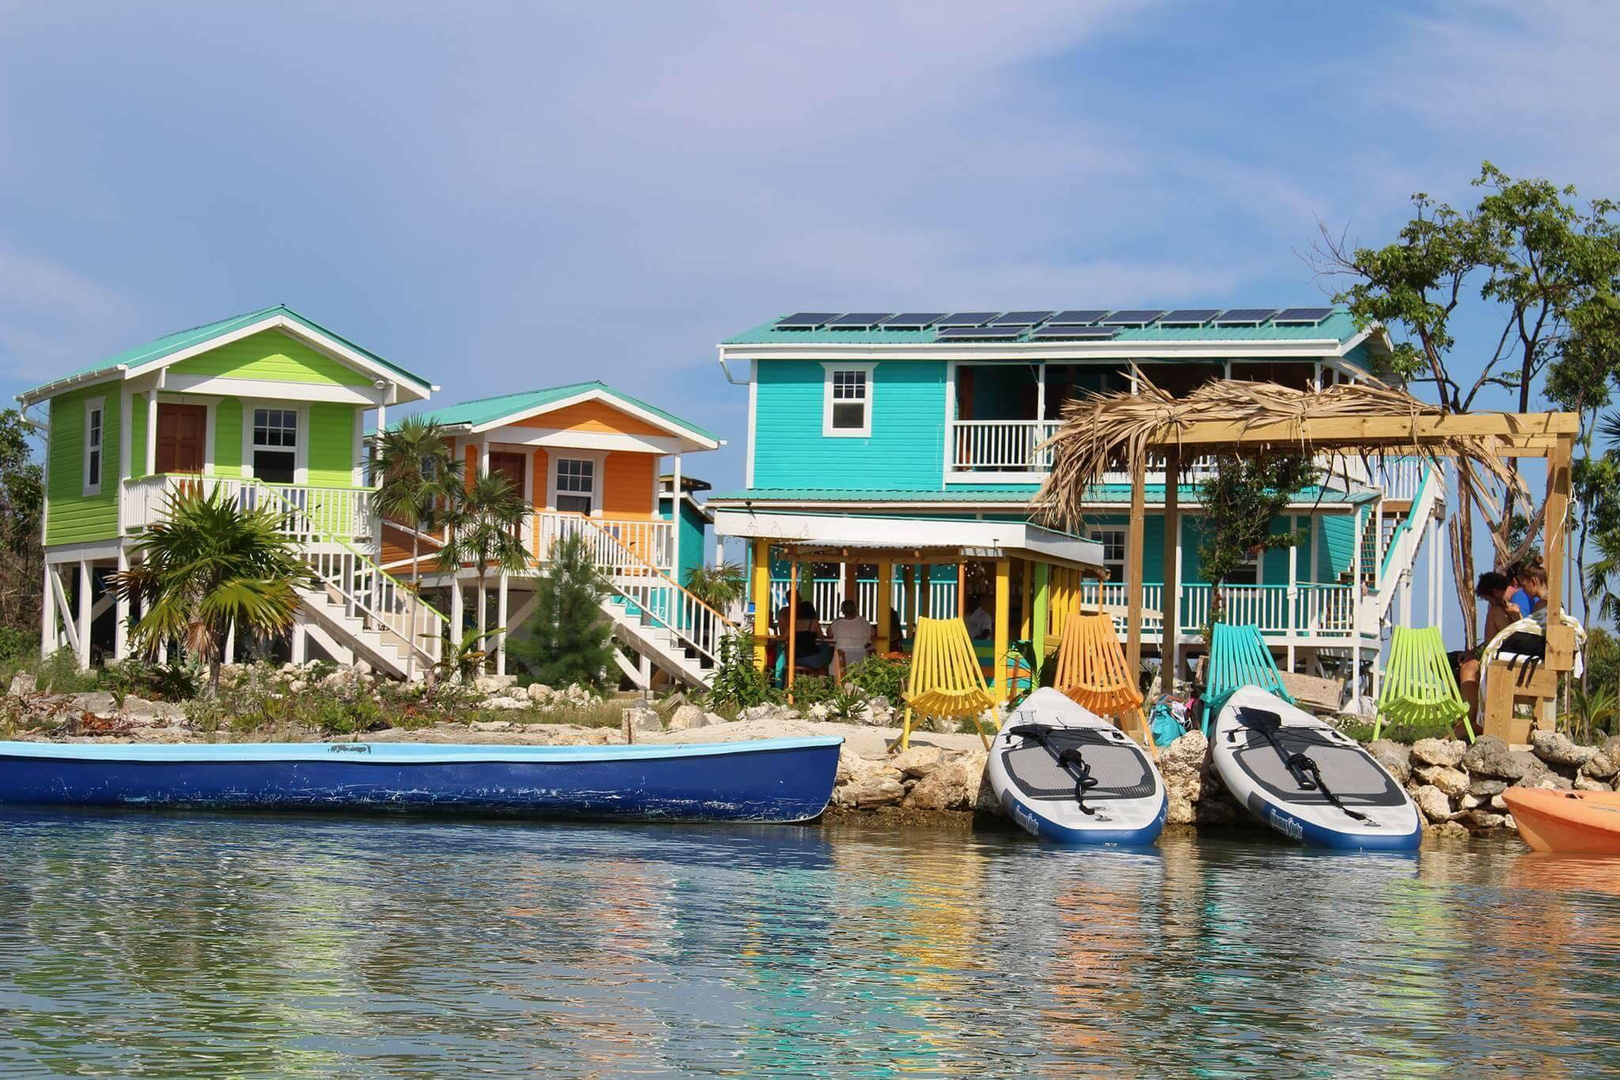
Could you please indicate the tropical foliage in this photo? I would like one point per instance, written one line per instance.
(570, 640)
(719, 586)
(1242, 501)
(737, 681)
(484, 528)
(22, 567)
(208, 567)
(418, 477)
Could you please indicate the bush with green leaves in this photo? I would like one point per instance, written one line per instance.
(737, 681)
(878, 676)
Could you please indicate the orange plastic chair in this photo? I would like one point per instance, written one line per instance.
(1092, 671)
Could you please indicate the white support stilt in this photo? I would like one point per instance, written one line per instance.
(230, 643)
(121, 614)
(300, 643)
(48, 637)
(500, 625)
(675, 525)
(458, 614)
(82, 648)
(482, 620)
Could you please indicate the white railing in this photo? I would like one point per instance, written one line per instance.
(1399, 477)
(647, 590)
(312, 512)
(614, 543)
(981, 446)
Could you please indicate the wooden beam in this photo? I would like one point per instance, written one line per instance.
(1133, 566)
(1558, 490)
(1513, 428)
(1172, 559)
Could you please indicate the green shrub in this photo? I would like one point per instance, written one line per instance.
(877, 676)
(16, 643)
(737, 683)
(808, 690)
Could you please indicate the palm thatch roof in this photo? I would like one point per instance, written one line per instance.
(1103, 432)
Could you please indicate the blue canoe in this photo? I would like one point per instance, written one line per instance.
(776, 780)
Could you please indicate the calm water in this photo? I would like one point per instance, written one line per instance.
(165, 946)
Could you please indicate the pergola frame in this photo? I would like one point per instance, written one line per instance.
(1514, 435)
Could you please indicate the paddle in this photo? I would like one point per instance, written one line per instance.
(1306, 773)
(1069, 760)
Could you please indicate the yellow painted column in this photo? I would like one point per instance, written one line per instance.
(1003, 618)
(885, 628)
(761, 590)
(1025, 615)
(1042, 602)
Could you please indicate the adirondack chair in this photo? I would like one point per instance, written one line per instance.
(1419, 688)
(1238, 657)
(1092, 671)
(946, 680)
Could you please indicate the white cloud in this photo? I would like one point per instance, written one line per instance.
(51, 316)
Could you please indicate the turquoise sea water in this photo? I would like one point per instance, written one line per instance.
(167, 945)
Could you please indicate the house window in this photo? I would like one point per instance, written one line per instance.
(1246, 572)
(576, 485)
(1113, 551)
(94, 432)
(275, 445)
(846, 408)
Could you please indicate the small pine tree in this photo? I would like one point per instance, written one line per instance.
(570, 639)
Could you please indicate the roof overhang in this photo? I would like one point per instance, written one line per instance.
(1024, 351)
(691, 438)
(967, 505)
(868, 538)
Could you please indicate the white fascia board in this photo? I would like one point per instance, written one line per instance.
(331, 347)
(561, 438)
(696, 441)
(270, 389)
(987, 536)
(892, 505)
(1025, 351)
(73, 382)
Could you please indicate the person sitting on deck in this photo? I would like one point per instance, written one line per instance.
(851, 637)
(1502, 612)
(980, 623)
(1531, 580)
(810, 655)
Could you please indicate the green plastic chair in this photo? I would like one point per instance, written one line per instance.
(1238, 657)
(1419, 689)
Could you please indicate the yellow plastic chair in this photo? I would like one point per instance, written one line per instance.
(1092, 672)
(946, 680)
(1419, 688)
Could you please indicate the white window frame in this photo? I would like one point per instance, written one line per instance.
(1116, 567)
(829, 370)
(249, 444)
(556, 456)
(299, 435)
(91, 407)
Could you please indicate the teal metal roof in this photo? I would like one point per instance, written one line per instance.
(180, 340)
(487, 410)
(1339, 326)
(957, 493)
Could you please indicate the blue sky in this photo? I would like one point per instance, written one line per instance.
(510, 196)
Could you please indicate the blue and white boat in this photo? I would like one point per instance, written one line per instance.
(768, 780)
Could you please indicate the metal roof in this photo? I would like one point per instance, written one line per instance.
(481, 411)
(1339, 326)
(1017, 496)
(180, 340)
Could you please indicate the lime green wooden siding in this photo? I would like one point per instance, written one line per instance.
(331, 445)
(273, 356)
(137, 435)
(228, 421)
(74, 517)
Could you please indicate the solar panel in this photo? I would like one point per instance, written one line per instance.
(1245, 316)
(1189, 316)
(981, 333)
(805, 320)
(1134, 317)
(1302, 316)
(1074, 333)
(1077, 317)
(1020, 318)
(859, 320)
(966, 318)
(914, 320)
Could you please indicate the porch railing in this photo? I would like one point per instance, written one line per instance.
(615, 544)
(311, 512)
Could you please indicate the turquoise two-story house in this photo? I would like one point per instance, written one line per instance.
(887, 420)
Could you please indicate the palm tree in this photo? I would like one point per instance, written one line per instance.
(418, 475)
(209, 566)
(719, 586)
(484, 527)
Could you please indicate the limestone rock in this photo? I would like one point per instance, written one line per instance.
(767, 711)
(538, 693)
(505, 704)
(1182, 765)
(362, 668)
(1490, 756)
(23, 684)
(297, 686)
(1485, 786)
(869, 784)
(1215, 810)
(1394, 757)
(1560, 749)
(1454, 782)
(1485, 820)
(918, 761)
(1602, 766)
(642, 717)
(1498, 803)
(1471, 802)
(1451, 829)
(953, 785)
(493, 684)
(1586, 783)
(688, 716)
(1434, 803)
(491, 725)
(1448, 752)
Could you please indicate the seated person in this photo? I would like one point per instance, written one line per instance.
(1532, 582)
(809, 652)
(980, 623)
(851, 635)
(1502, 613)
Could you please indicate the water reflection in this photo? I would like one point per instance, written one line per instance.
(190, 945)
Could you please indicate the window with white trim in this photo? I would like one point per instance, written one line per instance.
(576, 485)
(846, 409)
(95, 423)
(275, 445)
(1113, 551)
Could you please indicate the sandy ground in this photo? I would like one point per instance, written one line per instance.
(868, 742)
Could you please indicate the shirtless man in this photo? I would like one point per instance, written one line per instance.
(1500, 614)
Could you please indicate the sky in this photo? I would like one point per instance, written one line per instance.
(502, 197)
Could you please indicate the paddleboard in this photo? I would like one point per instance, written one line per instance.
(1066, 775)
(1307, 780)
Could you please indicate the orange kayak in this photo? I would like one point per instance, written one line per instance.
(1576, 822)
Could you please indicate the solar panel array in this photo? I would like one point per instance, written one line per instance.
(1074, 324)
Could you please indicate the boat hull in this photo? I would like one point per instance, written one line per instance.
(1571, 822)
(782, 780)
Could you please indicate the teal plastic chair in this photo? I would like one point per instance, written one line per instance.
(1238, 657)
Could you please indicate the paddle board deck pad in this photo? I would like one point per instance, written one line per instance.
(1308, 781)
(1048, 748)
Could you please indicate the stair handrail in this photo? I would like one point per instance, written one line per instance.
(374, 566)
(1386, 594)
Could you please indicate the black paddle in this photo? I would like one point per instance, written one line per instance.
(1306, 773)
(1069, 760)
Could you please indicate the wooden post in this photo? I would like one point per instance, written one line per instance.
(925, 601)
(1133, 566)
(961, 589)
(762, 599)
(908, 582)
(1003, 618)
(1025, 613)
(885, 595)
(1558, 487)
(1172, 567)
(1041, 605)
(793, 624)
